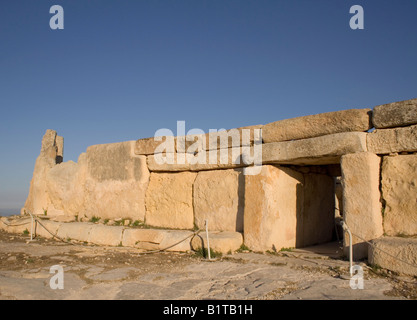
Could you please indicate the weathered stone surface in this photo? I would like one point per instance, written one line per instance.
(52, 228)
(206, 160)
(105, 235)
(79, 231)
(385, 141)
(273, 202)
(150, 145)
(224, 242)
(404, 249)
(219, 197)
(148, 239)
(13, 225)
(397, 114)
(61, 182)
(157, 239)
(171, 237)
(317, 125)
(38, 200)
(116, 182)
(399, 191)
(320, 150)
(361, 205)
(169, 200)
(232, 138)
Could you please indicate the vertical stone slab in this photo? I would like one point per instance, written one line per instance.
(219, 197)
(273, 205)
(169, 200)
(399, 191)
(38, 199)
(116, 182)
(361, 200)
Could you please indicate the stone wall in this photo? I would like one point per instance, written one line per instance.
(282, 205)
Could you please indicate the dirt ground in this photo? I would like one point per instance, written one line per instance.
(119, 273)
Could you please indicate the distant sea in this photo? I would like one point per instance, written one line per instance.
(9, 212)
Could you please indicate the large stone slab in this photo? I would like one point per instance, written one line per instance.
(116, 182)
(219, 139)
(206, 160)
(197, 142)
(399, 191)
(169, 200)
(224, 242)
(219, 197)
(361, 200)
(320, 150)
(317, 125)
(38, 199)
(65, 189)
(385, 141)
(397, 114)
(150, 145)
(79, 231)
(105, 235)
(273, 204)
(401, 257)
(157, 239)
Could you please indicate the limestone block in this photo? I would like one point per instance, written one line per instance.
(320, 150)
(397, 114)
(361, 200)
(273, 202)
(385, 141)
(148, 239)
(105, 235)
(111, 161)
(12, 225)
(79, 231)
(171, 237)
(219, 197)
(116, 182)
(149, 146)
(51, 226)
(206, 160)
(399, 191)
(224, 242)
(404, 249)
(232, 138)
(169, 200)
(157, 239)
(317, 125)
(38, 199)
(60, 181)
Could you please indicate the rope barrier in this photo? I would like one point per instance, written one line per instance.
(386, 252)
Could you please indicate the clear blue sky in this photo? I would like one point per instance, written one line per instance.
(120, 70)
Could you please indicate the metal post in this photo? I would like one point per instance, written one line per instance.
(208, 241)
(31, 228)
(345, 227)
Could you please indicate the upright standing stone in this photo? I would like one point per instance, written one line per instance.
(219, 197)
(169, 200)
(399, 190)
(273, 204)
(361, 200)
(38, 199)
